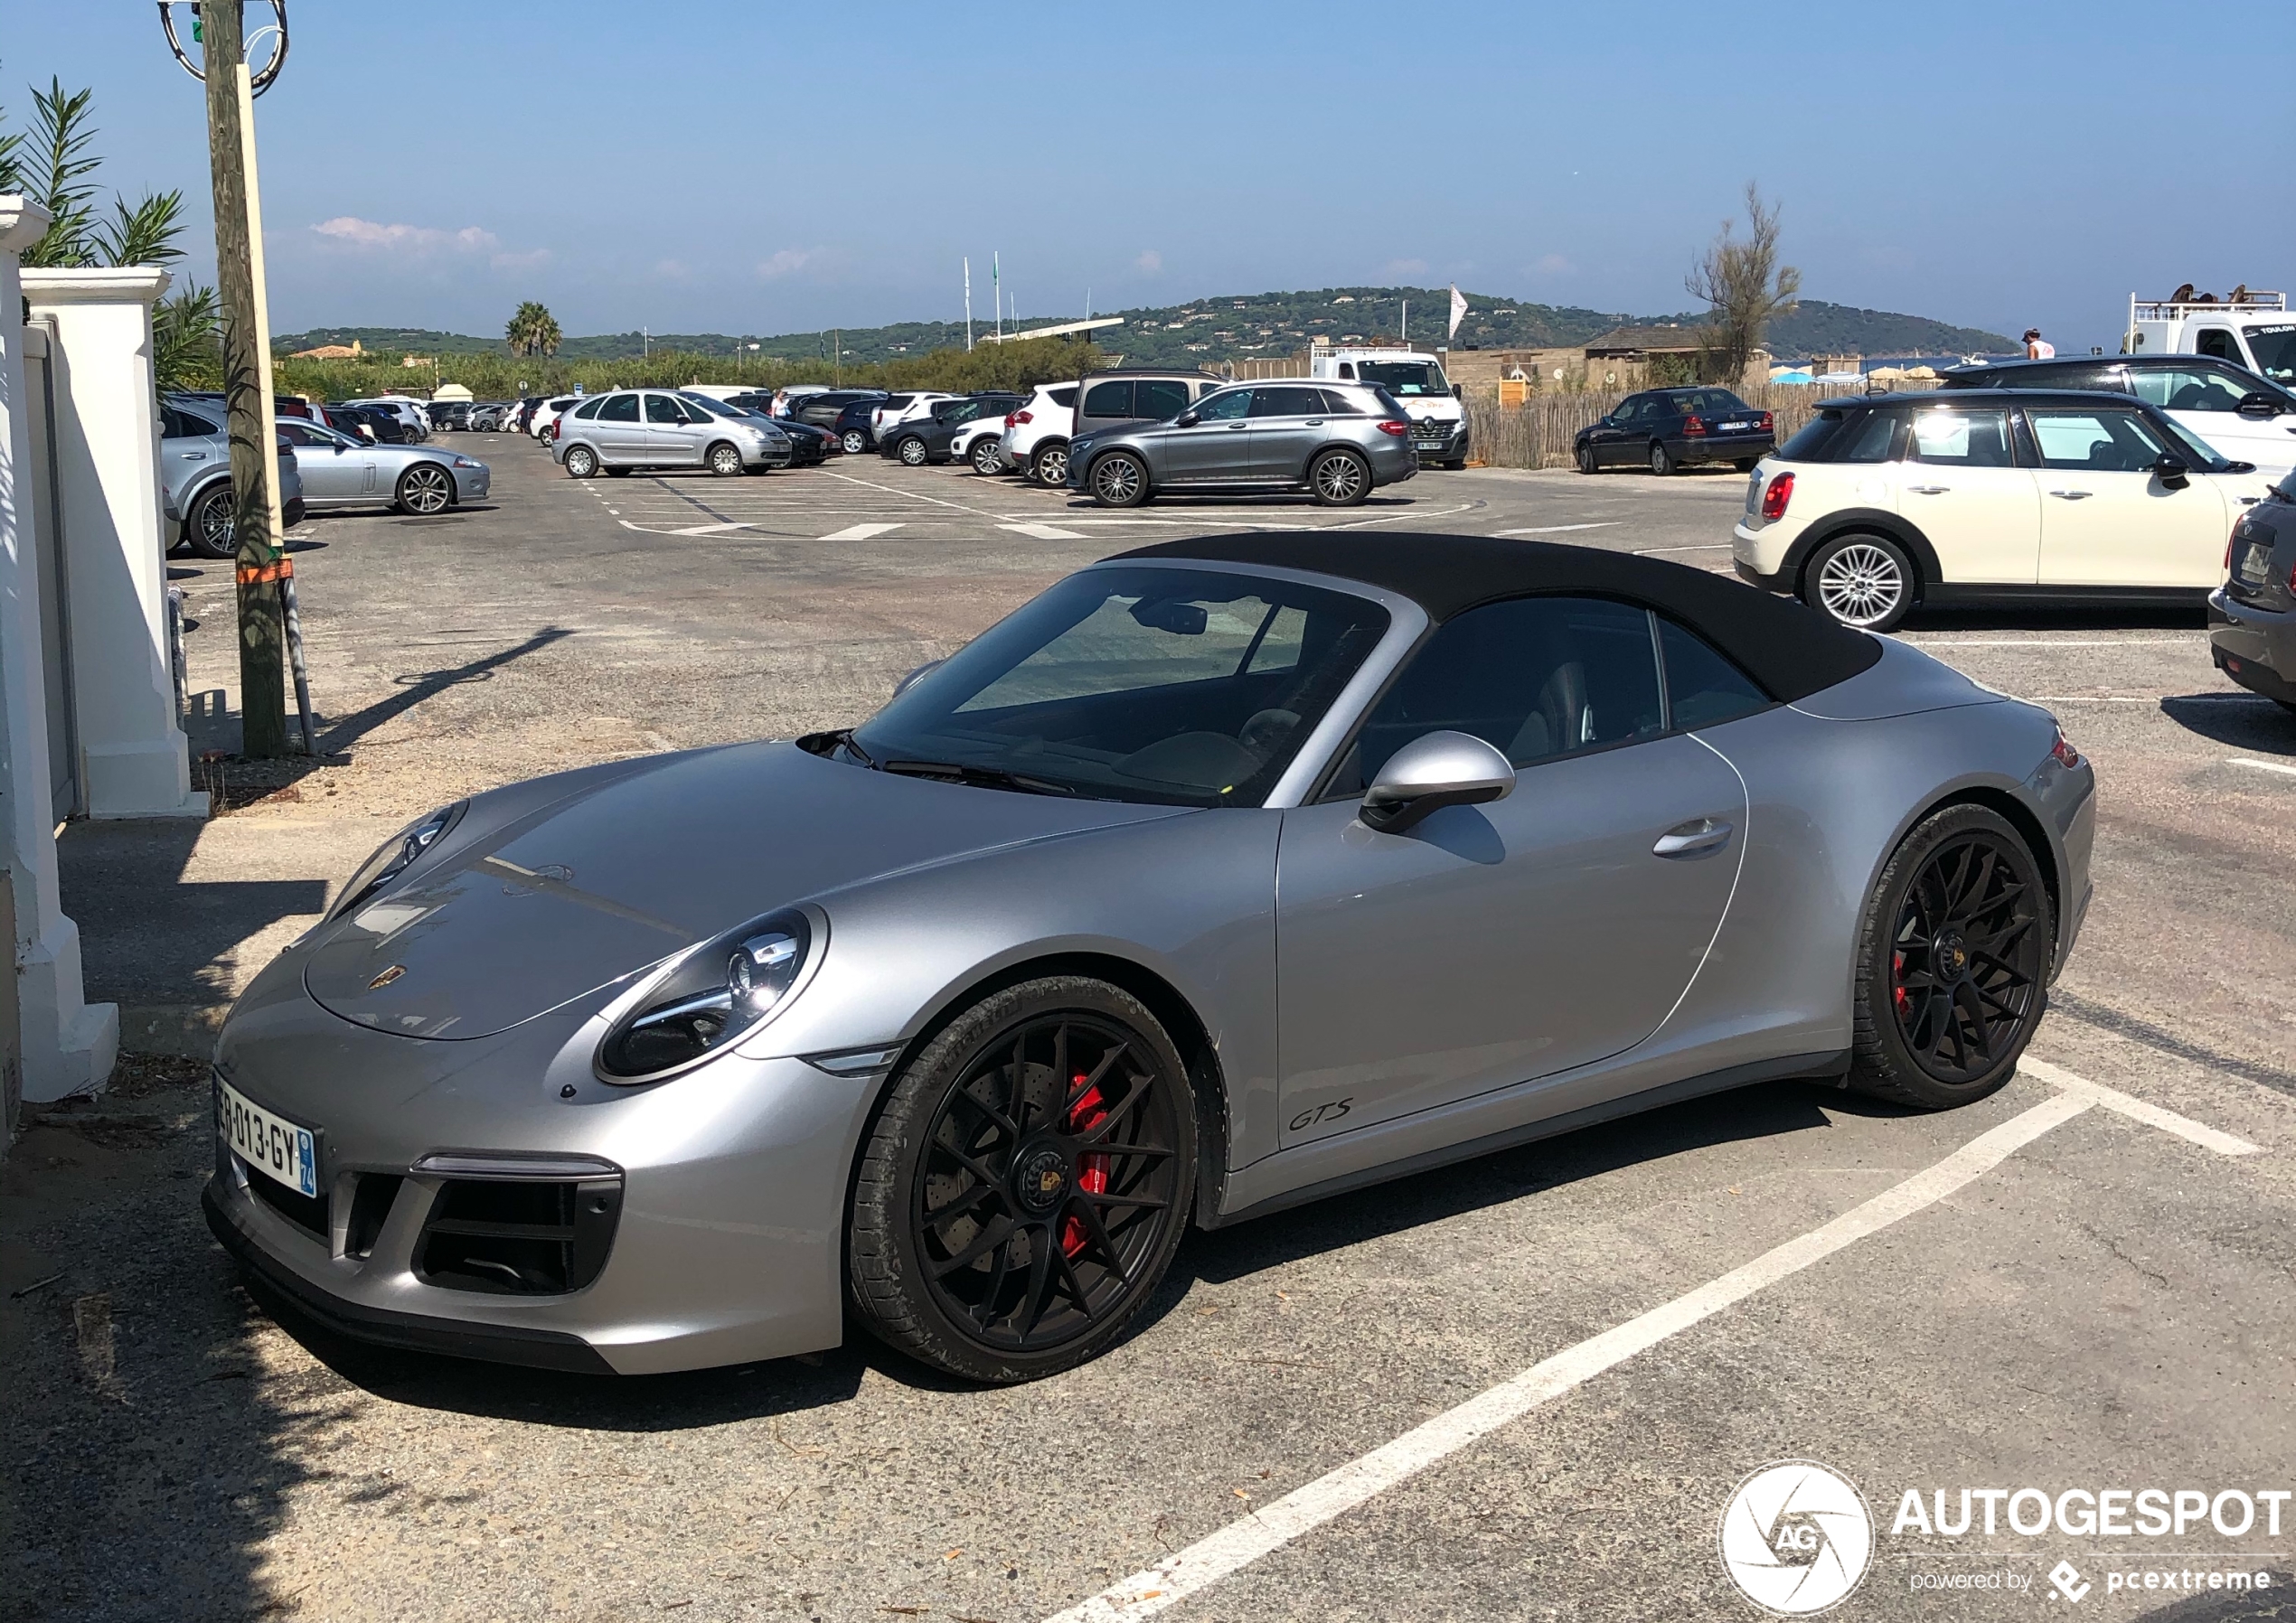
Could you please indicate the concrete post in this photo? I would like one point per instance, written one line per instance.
(69, 1045)
(133, 759)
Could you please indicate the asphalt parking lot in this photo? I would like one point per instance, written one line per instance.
(2082, 1283)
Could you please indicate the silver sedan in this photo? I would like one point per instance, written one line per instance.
(341, 472)
(950, 1025)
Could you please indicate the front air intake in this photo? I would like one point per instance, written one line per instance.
(521, 1231)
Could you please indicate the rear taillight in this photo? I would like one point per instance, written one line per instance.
(1018, 417)
(1775, 497)
(1399, 430)
(1763, 422)
(2062, 753)
(1693, 426)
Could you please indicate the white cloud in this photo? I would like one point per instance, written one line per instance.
(1150, 263)
(1407, 268)
(351, 232)
(1552, 264)
(531, 260)
(787, 262)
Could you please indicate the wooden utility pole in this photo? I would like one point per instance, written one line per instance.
(246, 380)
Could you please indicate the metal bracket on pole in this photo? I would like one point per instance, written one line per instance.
(270, 69)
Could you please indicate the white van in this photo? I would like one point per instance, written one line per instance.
(2248, 329)
(1414, 378)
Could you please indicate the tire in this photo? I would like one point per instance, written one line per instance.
(1050, 466)
(1953, 959)
(911, 452)
(723, 459)
(1861, 579)
(1085, 1235)
(1338, 479)
(854, 441)
(424, 490)
(985, 459)
(581, 463)
(210, 529)
(1661, 463)
(1118, 479)
(1585, 459)
(1455, 465)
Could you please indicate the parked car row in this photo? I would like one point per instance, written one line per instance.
(322, 467)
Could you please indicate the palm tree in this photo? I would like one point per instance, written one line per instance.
(532, 331)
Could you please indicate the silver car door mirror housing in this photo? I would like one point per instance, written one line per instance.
(1433, 771)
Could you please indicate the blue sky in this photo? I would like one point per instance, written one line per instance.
(774, 168)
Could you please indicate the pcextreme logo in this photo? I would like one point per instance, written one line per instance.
(1796, 1538)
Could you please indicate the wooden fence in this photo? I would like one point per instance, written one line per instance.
(1538, 434)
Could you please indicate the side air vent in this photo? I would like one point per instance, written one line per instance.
(515, 1233)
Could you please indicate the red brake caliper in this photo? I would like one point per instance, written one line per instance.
(1896, 979)
(1092, 1169)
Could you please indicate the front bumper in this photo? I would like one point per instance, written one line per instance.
(2256, 647)
(470, 484)
(725, 1247)
(1448, 445)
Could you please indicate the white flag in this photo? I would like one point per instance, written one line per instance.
(1458, 310)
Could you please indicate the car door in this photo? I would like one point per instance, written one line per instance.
(1289, 426)
(332, 473)
(2108, 518)
(671, 441)
(1960, 484)
(1605, 437)
(616, 431)
(1495, 944)
(1217, 446)
(2207, 400)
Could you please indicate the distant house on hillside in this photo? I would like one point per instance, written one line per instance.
(332, 352)
(1630, 357)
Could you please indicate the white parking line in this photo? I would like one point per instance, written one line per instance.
(1937, 642)
(2137, 1110)
(1561, 528)
(861, 532)
(2279, 767)
(1043, 532)
(1331, 1494)
(912, 495)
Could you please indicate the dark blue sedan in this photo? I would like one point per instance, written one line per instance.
(1663, 429)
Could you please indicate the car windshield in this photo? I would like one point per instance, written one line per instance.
(960, 411)
(714, 408)
(1160, 685)
(2274, 348)
(2189, 446)
(1406, 377)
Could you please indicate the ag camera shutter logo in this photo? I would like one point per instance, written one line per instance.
(1796, 1538)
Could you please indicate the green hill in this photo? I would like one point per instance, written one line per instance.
(1208, 331)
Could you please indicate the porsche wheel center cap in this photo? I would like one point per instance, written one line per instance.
(1952, 956)
(1040, 1179)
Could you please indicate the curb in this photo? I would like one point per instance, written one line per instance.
(188, 1029)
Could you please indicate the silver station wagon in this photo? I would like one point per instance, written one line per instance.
(1337, 441)
(663, 428)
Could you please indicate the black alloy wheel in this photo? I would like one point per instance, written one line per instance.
(911, 451)
(581, 463)
(1049, 467)
(213, 524)
(985, 458)
(1661, 463)
(425, 489)
(1587, 462)
(1338, 479)
(1026, 1183)
(1118, 479)
(1955, 961)
(725, 460)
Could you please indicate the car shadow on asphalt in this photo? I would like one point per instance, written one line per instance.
(1765, 1111)
(2058, 617)
(2237, 720)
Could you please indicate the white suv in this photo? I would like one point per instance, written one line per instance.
(1882, 502)
(1037, 443)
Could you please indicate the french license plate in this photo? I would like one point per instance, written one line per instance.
(2255, 563)
(1733, 427)
(269, 1144)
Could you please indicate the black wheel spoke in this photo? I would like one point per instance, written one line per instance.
(952, 1210)
(991, 1235)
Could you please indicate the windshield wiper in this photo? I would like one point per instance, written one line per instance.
(842, 737)
(981, 777)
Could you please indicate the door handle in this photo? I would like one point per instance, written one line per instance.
(1314, 422)
(1929, 489)
(1700, 837)
(192, 456)
(2074, 495)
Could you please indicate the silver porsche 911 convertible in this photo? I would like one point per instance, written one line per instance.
(1226, 875)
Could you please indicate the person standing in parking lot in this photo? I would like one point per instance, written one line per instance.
(780, 406)
(2037, 348)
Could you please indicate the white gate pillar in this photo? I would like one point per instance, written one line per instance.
(69, 1045)
(133, 758)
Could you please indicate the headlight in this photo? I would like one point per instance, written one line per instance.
(465, 462)
(711, 998)
(396, 855)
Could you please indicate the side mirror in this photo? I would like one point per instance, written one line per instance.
(2260, 405)
(1458, 391)
(1188, 420)
(340, 447)
(2172, 470)
(1433, 771)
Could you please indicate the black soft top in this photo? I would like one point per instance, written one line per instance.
(1790, 650)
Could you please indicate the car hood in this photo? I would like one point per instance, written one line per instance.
(535, 911)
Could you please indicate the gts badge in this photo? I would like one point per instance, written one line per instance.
(1321, 1115)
